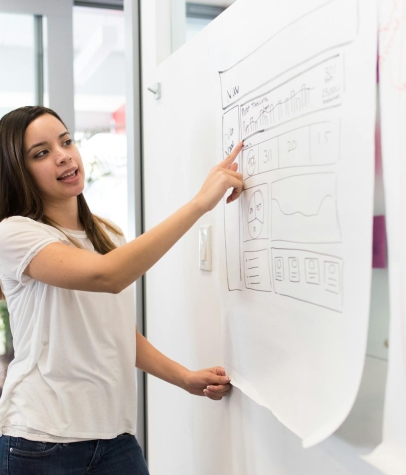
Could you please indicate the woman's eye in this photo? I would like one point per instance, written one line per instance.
(40, 154)
(68, 142)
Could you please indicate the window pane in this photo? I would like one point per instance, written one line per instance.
(99, 70)
(17, 79)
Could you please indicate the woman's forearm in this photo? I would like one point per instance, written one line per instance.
(153, 362)
(210, 382)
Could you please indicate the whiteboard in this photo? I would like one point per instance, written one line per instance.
(183, 303)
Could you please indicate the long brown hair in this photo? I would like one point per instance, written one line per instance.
(18, 193)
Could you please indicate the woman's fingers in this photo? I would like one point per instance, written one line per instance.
(217, 392)
(226, 163)
(237, 184)
(233, 167)
(220, 179)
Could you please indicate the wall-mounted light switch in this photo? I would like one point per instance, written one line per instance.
(205, 248)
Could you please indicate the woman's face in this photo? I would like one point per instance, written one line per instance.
(52, 160)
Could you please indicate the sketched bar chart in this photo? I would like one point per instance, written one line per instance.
(310, 277)
(255, 205)
(257, 270)
(310, 214)
(304, 93)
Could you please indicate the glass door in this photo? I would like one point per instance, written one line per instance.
(34, 71)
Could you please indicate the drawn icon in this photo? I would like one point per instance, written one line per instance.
(294, 275)
(251, 162)
(256, 214)
(279, 268)
(332, 277)
(312, 271)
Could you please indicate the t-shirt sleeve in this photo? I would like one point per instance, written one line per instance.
(20, 241)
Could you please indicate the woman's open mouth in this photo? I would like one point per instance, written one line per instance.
(68, 176)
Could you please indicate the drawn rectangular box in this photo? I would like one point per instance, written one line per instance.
(257, 271)
(312, 270)
(304, 209)
(313, 277)
(301, 95)
(324, 143)
(268, 155)
(294, 273)
(279, 268)
(231, 130)
(294, 148)
(255, 206)
(332, 276)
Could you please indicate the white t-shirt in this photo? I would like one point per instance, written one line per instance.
(73, 375)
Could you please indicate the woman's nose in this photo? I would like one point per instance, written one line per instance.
(63, 156)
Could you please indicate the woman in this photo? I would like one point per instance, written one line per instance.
(68, 404)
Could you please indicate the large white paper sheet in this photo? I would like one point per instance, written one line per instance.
(390, 456)
(298, 85)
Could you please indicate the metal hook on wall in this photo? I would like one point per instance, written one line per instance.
(156, 90)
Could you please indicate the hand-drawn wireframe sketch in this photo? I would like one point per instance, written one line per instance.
(310, 214)
(304, 87)
(255, 205)
(311, 277)
(257, 270)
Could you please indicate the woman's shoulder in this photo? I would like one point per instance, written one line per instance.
(19, 222)
(22, 224)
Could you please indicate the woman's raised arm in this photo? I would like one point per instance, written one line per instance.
(72, 268)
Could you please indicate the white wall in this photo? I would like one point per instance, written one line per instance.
(187, 434)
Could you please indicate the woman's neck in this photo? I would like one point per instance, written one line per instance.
(65, 214)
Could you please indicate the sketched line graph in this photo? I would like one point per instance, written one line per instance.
(309, 215)
(304, 209)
